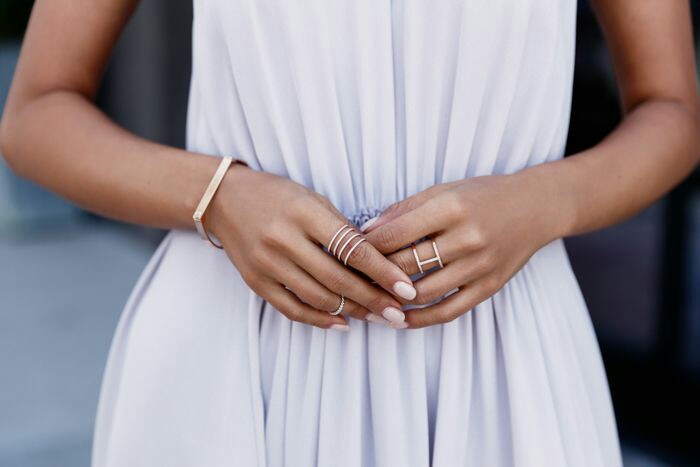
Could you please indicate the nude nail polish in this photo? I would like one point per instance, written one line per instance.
(374, 318)
(404, 290)
(402, 325)
(340, 327)
(393, 314)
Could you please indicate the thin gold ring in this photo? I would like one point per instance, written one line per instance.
(330, 244)
(347, 242)
(340, 239)
(343, 239)
(340, 307)
(352, 249)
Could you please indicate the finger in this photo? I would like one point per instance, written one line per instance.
(426, 253)
(437, 284)
(291, 307)
(451, 307)
(314, 294)
(366, 259)
(424, 220)
(341, 280)
(399, 208)
(350, 247)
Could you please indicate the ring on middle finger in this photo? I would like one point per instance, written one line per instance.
(436, 259)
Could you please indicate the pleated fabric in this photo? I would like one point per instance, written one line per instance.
(367, 102)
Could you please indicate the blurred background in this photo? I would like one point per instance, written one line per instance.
(65, 274)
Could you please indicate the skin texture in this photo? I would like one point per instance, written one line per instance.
(53, 134)
(486, 227)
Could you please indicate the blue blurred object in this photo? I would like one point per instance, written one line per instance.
(22, 203)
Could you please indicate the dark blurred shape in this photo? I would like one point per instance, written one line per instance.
(13, 17)
(641, 280)
(147, 81)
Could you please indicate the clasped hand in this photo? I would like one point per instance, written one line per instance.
(275, 230)
(486, 228)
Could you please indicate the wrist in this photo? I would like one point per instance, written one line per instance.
(548, 200)
(216, 216)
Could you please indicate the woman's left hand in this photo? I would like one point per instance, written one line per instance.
(485, 228)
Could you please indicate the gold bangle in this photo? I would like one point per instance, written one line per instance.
(198, 215)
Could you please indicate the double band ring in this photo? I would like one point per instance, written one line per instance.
(340, 307)
(435, 259)
(341, 240)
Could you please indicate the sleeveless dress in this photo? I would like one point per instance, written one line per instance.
(366, 102)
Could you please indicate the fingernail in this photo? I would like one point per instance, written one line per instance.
(404, 290)
(340, 327)
(393, 314)
(402, 325)
(374, 318)
(368, 224)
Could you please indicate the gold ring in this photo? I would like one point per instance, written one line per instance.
(435, 259)
(339, 243)
(340, 307)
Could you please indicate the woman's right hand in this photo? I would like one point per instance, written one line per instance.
(274, 231)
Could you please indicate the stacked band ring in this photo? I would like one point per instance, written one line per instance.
(342, 239)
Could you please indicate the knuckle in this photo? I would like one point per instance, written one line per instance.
(336, 281)
(386, 237)
(352, 309)
(301, 204)
(259, 258)
(294, 313)
(252, 280)
(452, 205)
(406, 262)
(492, 284)
(485, 263)
(275, 234)
(476, 237)
(328, 303)
(448, 315)
(320, 199)
(425, 295)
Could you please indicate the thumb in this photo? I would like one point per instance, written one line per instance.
(402, 207)
(392, 212)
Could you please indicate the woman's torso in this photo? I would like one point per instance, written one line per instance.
(368, 101)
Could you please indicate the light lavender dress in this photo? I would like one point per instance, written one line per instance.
(367, 102)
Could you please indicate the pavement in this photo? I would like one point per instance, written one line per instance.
(61, 294)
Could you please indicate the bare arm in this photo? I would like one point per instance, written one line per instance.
(656, 145)
(488, 227)
(53, 134)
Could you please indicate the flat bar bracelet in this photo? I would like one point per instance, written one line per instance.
(198, 215)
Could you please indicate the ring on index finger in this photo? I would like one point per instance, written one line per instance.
(345, 239)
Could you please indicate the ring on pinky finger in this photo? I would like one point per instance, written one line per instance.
(316, 300)
(339, 310)
(294, 309)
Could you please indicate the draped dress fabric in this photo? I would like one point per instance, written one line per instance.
(366, 102)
